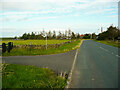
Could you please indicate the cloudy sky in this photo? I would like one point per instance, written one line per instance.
(83, 16)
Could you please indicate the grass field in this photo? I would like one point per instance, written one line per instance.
(20, 76)
(24, 51)
(115, 44)
(34, 42)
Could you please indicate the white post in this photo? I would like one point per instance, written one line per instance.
(30, 48)
(46, 41)
(91, 36)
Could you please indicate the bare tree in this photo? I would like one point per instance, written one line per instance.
(59, 35)
(66, 34)
(69, 34)
(54, 35)
(49, 34)
(73, 35)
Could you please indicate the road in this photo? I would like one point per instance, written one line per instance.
(96, 66)
(58, 62)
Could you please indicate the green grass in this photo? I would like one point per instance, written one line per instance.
(34, 42)
(115, 44)
(0, 41)
(61, 49)
(21, 76)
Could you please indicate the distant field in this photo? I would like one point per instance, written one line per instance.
(34, 42)
(26, 51)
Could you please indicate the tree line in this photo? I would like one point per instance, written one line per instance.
(112, 33)
(51, 35)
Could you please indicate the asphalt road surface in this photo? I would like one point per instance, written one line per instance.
(58, 62)
(96, 66)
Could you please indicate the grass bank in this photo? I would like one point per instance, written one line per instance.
(115, 44)
(62, 49)
(21, 76)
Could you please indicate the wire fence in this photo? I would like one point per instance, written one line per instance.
(30, 48)
(42, 47)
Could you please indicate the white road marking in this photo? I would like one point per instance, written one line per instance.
(104, 49)
(73, 65)
(108, 51)
(70, 75)
(117, 55)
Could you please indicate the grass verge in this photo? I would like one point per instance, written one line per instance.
(62, 49)
(115, 44)
(21, 76)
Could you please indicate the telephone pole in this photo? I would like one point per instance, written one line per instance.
(46, 40)
(101, 29)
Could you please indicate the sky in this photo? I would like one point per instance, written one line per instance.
(80, 16)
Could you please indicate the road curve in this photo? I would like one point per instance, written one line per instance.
(58, 62)
(96, 66)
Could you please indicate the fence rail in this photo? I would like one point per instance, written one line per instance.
(0, 46)
(29, 48)
(41, 46)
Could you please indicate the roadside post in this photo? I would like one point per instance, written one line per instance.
(4, 48)
(12, 45)
(9, 46)
(91, 36)
(46, 41)
(30, 48)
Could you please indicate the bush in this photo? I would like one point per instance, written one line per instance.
(4, 48)
(10, 46)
